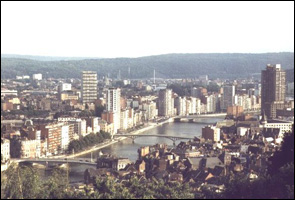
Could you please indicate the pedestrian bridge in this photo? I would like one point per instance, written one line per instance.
(173, 138)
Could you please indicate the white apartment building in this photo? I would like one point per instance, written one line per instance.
(5, 149)
(37, 77)
(114, 105)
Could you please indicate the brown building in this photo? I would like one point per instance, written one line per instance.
(273, 90)
(211, 133)
(108, 117)
(235, 111)
(123, 103)
(6, 106)
(52, 132)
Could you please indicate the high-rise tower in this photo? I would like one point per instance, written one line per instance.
(228, 96)
(273, 90)
(113, 106)
(89, 86)
(166, 103)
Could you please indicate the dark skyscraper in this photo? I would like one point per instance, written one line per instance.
(273, 91)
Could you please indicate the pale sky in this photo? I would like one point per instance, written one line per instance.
(134, 29)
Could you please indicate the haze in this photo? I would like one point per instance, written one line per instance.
(134, 29)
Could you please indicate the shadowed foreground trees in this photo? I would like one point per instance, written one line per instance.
(24, 182)
(278, 183)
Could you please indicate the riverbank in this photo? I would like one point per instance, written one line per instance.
(149, 126)
(103, 145)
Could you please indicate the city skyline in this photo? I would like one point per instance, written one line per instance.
(147, 100)
(109, 29)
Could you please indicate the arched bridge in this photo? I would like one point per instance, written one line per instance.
(173, 138)
(46, 161)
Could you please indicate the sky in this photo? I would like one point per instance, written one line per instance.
(135, 29)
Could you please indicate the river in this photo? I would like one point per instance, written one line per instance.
(128, 149)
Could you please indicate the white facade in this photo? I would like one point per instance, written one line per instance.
(65, 139)
(95, 125)
(5, 92)
(245, 101)
(180, 105)
(124, 119)
(242, 131)
(283, 126)
(151, 109)
(66, 87)
(89, 86)
(30, 148)
(198, 106)
(5, 149)
(211, 103)
(113, 99)
(114, 105)
(37, 77)
(166, 103)
(83, 128)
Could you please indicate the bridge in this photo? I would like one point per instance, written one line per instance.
(173, 138)
(191, 120)
(46, 161)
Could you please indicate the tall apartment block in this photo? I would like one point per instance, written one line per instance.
(89, 86)
(228, 96)
(273, 90)
(114, 105)
(166, 103)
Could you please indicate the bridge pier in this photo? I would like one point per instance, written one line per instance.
(133, 139)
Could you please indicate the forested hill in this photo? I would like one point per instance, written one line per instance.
(225, 65)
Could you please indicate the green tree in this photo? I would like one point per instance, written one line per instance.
(99, 110)
(285, 155)
(56, 186)
(15, 148)
(21, 182)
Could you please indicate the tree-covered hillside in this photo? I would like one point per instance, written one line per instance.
(166, 66)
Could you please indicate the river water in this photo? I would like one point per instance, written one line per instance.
(128, 149)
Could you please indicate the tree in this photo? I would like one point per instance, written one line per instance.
(15, 147)
(99, 110)
(21, 182)
(285, 155)
(55, 187)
